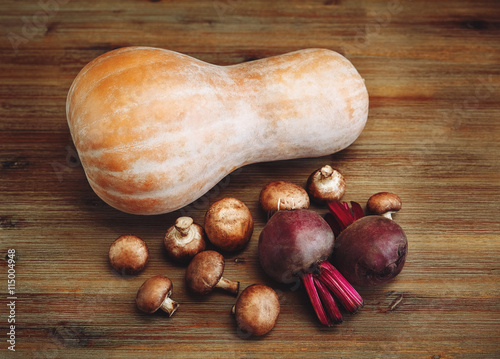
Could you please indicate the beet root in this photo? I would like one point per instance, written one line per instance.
(293, 242)
(371, 251)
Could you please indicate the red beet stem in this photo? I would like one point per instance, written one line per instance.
(357, 210)
(323, 286)
(340, 287)
(341, 213)
(331, 308)
(343, 216)
(308, 280)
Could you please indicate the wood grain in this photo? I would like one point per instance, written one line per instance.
(433, 73)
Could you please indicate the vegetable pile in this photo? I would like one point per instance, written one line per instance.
(328, 255)
(139, 159)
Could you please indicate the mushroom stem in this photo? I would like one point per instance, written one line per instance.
(183, 225)
(228, 285)
(326, 171)
(387, 215)
(169, 305)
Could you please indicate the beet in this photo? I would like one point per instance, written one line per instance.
(294, 242)
(370, 251)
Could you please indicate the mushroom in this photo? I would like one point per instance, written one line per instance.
(184, 240)
(325, 185)
(283, 195)
(229, 224)
(128, 254)
(154, 294)
(384, 204)
(256, 310)
(204, 272)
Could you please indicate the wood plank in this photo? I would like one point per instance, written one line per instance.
(433, 74)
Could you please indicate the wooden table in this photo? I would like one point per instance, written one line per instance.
(433, 73)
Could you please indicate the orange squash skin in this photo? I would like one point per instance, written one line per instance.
(156, 129)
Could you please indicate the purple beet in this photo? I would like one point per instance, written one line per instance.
(370, 251)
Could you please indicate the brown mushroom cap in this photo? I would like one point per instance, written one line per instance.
(257, 310)
(128, 254)
(204, 272)
(229, 224)
(384, 203)
(154, 293)
(283, 195)
(184, 240)
(326, 184)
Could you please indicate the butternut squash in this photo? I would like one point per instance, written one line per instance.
(156, 129)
